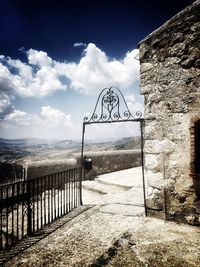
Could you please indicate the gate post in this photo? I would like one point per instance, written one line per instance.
(82, 176)
(142, 158)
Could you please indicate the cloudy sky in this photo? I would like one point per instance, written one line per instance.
(57, 56)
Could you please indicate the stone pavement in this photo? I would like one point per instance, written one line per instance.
(115, 233)
(121, 187)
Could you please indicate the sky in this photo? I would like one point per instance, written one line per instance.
(57, 56)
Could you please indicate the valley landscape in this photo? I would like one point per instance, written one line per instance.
(34, 149)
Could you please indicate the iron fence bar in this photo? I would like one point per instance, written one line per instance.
(17, 211)
(62, 191)
(1, 220)
(12, 214)
(54, 182)
(72, 188)
(29, 210)
(59, 184)
(70, 203)
(72, 180)
(64, 174)
(41, 213)
(69, 200)
(7, 228)
(44, 200)
(22, 212)
(33, 211)
(48, 179)
(67, 195)
(51, 197)
(37, 200)
(76, 189)
(57, 187)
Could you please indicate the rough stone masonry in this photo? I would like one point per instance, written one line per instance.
(170, 83)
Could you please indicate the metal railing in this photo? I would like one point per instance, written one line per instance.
(11, 172)
(27, 206)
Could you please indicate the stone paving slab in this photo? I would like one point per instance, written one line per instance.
(102, 188)
(123, 186)
(130, 177)
(107, 236)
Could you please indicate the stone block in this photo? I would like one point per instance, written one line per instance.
(146, 88)
(154, 203)
(152, 146)
(153, 131)
(153, 162)
(168, 146)
(149, 191)
(154, 179)
(146, 67)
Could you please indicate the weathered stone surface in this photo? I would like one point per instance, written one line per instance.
(95, 238)
(157, 146)
(153, 162)
(170, 82)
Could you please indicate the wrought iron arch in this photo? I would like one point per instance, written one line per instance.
(111, 107)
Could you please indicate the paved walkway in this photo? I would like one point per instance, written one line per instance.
(122, 187)
(115, 234)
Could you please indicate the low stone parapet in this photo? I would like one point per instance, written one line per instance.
(102, 162)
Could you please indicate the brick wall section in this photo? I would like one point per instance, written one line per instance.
(170, 83)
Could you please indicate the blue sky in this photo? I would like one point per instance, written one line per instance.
(57, 56)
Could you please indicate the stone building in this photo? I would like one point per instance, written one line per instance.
(170, 83)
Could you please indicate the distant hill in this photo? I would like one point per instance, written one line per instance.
(128, 143)
(37, 149)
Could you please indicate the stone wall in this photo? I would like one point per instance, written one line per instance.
(109, 161)
(170, 83)
(45, 167)
(103, 162)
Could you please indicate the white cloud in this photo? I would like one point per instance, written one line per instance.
(130, 97)
(41, 76)
(79, 44)
(103, 132)
(95, 71)
(28, 83)
(135, 107)
(5, 105)
(17, 119)
(39, 58)
(55, 118)
(49, 122)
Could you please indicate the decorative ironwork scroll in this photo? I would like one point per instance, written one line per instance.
(111, 106)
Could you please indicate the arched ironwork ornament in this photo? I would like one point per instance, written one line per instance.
(111, 106)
